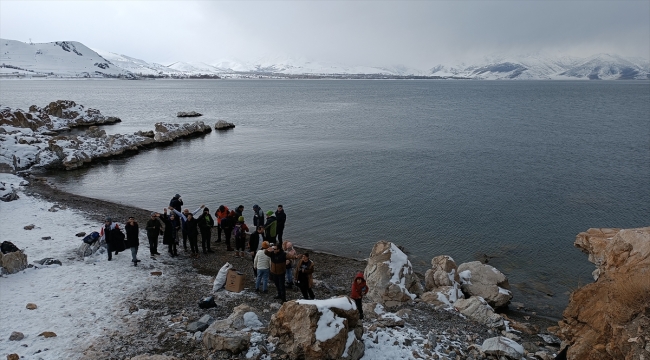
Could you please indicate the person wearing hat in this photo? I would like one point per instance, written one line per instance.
(190, 223)
(187, 212)
(171, 231)
(113, 236)
(282, 218)
(261, 266)
(258, 217)
(254, 241)
(304, 271)
(239, 233)
(153, 231)
(270, 227)
(206, 223)
(176, 202)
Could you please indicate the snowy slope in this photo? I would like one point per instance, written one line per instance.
(61, 58)
(137, 66)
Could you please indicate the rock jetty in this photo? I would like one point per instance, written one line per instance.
(32, 140)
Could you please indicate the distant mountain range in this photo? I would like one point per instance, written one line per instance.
(72, 59)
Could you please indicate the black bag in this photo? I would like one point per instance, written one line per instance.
(8, 247)
(207, 303)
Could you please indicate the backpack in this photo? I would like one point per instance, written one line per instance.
(237, 232)
(91, 238)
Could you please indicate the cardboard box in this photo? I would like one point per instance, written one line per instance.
(235, 281)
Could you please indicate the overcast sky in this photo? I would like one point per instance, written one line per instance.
(419, 34)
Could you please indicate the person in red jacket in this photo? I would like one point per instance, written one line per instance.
(359, 288)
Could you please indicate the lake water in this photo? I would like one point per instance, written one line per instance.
(508, 169)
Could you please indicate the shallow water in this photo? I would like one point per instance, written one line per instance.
(512, 170)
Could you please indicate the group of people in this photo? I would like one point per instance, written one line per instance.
(276, 260)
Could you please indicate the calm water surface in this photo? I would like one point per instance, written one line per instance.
(512, 170)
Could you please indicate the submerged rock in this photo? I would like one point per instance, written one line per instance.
(188, 114)
(223, 125)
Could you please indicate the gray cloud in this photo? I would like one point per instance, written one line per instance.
(419, 34)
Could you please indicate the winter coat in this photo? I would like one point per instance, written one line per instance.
(190, 227)
(176, 203)
(261, 261)
(308, 266)
(171, 227)
(359, 290)
(258, 218)
(153, 228)
(205, 221)
(278, 261)
(132, 233)
(270, 228)
(113, 236)
(221, 214)
(282, 218)
(254, 240)
(183, 218)
(227, 224)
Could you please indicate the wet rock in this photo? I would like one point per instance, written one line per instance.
(16, 336)
(486, 281)
(188, 114)
(223, 125)
(390, 276)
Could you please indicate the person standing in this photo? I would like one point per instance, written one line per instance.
(132, 238)
(261, 265)
(176, 202)
(239, 211)
(278, 268)
(220, 214)
(153, 231)
(304, 271)
(281, 218)
(112, 234)
(239, 233)
(359, 289)
(206, 223)
(171, 230)
(228, 224)
(254, 241)
(271, 227)
(186, 212)
(190, 228)
(258, 216)
(287, 246)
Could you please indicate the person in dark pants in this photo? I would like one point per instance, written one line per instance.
(258, 217)
(304, 271)
(183, 230)
(153, 231)
(281, 218)
(132, 238)
(176, 202)
(271, 227)
(227, 224)
(205, 223)
(278, 268)
(220, 214)
(359, 289)
(171, 230)
(239, 211)
(190, 228)
(110, 234)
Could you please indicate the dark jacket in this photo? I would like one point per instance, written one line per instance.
(306, 275)
(255, 240)
(132, 232)
(171, 227)
(190, 227)
(278, 261)
(270, 228)
(114, 237)
(205, 221)
(358, 290)
(153, 228)
(282, 218)
(227, 224)
(176, 203)
(258, 217)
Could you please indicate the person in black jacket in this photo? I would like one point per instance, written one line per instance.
(132, 240)
(190, 223)
(113, 236)
(227, 224)
(281, 218)
(206, 223)
(254, 240)
(153, 231)
(171, 230)
(176, 202)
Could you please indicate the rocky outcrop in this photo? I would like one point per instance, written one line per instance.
(390, 276)
(228, 334)
(502, 346)
(13, 262)
(478, 310)
(318, 329)
(223, 125)
(188, 114)
(608, 319)
(486, 281)
(28, 141)
(442, 282)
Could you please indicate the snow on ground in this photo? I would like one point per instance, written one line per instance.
(77, 300)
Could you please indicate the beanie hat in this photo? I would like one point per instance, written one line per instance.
(108, 218)
(153, 213)
(269, 213)
(265, 244)
(256, 206)
(241, 219)
(177, 196)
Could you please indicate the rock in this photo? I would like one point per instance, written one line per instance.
(477, 309)
(133, 308)
(502, 346)
(550, 339)
(46, 238)
(188, 114)
(153, 357)
(603, 316)
(443, 296)
(13, 357)
(197, 326)
(156, 273)
(543, 355)
(372, 310)
(31, 306)
(530, 347)
(227, 334)
(14, 262)
(149, 134)
(390, 320)
(443, 272)
(354, 346)
(47, 334)
(318, 329)
(207, 319)
(16, 336)
(29, 227)
(80, 234)
(223, 125)
(10, 195)
(483, 280)
(48, 261)
(390, 276)
(170, 132)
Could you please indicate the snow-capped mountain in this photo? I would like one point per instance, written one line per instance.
(73, 59)
(62, 58)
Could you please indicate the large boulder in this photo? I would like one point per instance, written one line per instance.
(224, 125)
(486, 281)
(13, 262)
(608, 319)
(477, 309)
(443, 272)
(502, 346)
(318, 329)
(230, 334)
(390, 276)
